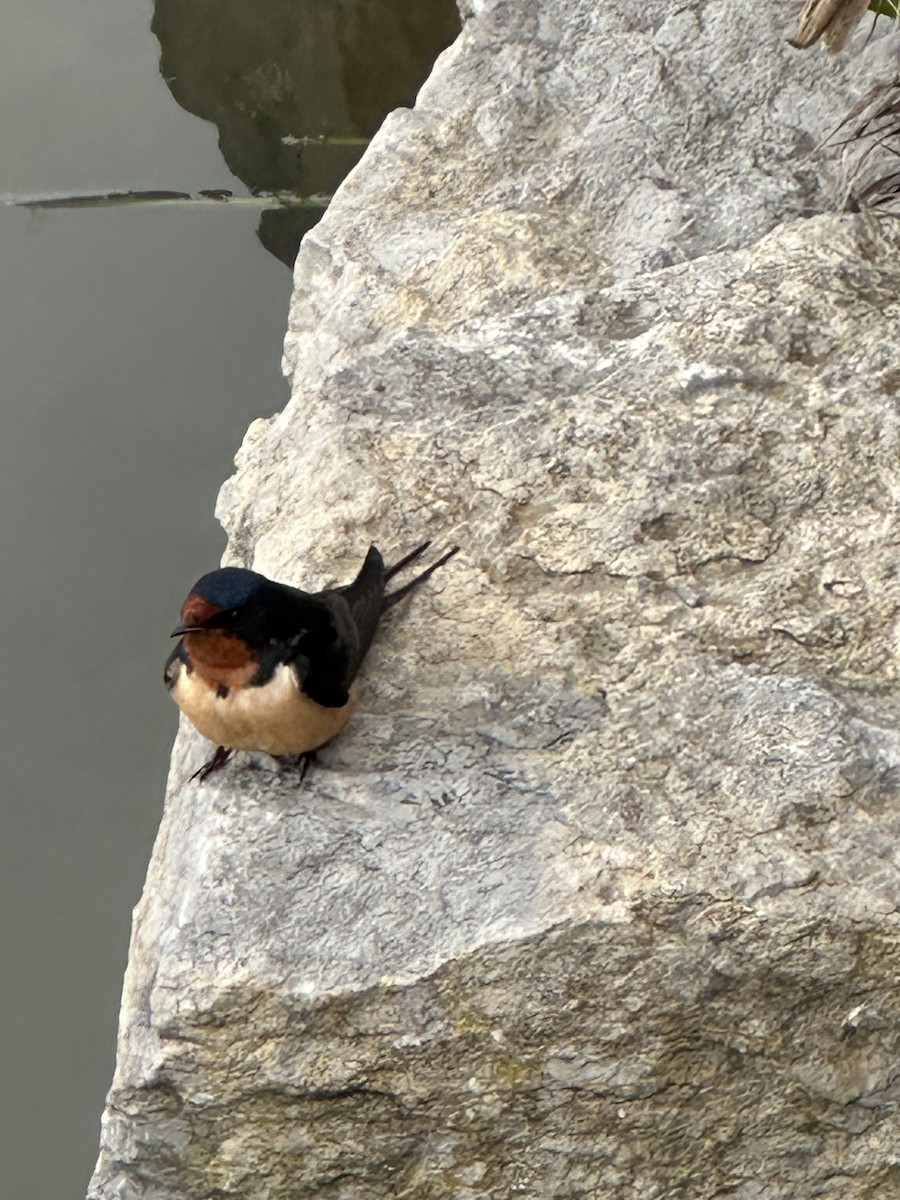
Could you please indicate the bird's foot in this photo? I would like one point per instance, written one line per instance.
(304, 761)
(218, 760)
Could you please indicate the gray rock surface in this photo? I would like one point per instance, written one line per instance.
(597, 896)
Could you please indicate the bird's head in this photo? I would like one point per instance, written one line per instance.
(231, 601)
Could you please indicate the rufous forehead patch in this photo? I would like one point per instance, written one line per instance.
(196, 610)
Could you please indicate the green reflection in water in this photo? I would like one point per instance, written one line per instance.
(297, 87)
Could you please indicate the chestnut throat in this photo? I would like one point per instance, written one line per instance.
(220, 659)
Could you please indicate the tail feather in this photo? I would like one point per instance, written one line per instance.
(365, 598)
(393, 597)
(406, 560)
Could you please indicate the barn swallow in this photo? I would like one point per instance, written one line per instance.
(264, 666)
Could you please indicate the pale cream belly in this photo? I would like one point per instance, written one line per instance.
(276, 718)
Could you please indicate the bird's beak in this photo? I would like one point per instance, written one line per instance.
(181, 630)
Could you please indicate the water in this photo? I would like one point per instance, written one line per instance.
(136, 346)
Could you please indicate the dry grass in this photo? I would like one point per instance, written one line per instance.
(873, 128)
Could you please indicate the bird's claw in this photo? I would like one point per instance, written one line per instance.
(218, 760)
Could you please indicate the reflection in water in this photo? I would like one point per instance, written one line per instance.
(204, 198)
(297, 87)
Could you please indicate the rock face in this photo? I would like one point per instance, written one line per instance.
(598, 894)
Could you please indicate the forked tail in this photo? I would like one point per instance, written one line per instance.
(392, 598)
(406, 560)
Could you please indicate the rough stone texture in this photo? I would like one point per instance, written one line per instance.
(597, 897)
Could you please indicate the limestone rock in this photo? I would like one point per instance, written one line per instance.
(598, 894)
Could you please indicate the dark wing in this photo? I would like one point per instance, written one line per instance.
(310, 634)
(324, 636)
(327, 655)
(331, 652)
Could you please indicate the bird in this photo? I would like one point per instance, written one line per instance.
(264, 666)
